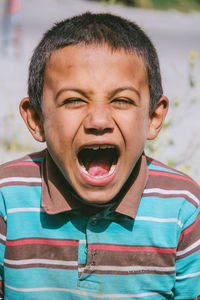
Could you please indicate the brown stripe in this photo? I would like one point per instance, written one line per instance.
(167, 183)
(188, 253)
(20, 171)
(127, 272)
(190, 238)
(158, 164)
(164, 196)
(13, 183)
(10, 170)
(47, 266)
(25, 158)
(52, 252)
(125, 259)
(2, 242)
(2, 229)
(1, 289)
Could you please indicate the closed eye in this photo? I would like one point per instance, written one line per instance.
(74, 102)
(122, 102)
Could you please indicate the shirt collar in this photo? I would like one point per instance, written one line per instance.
(58, 196)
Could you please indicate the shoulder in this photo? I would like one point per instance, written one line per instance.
(168, 182)
(19, 183)
(21, 169)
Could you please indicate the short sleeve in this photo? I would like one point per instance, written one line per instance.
(2, 251)
(3, 231)
(187, 284)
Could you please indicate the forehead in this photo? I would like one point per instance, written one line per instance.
(95, 62)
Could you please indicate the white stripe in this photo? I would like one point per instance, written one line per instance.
(82, 241)
(128, 269)
(84, 293)
(3, 237)
(191, 247)
(40, 261)
(168, 220)
(24, 209)
(20, 179)
(172, 192)
(188, 275)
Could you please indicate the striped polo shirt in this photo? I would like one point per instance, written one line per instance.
(53, 246)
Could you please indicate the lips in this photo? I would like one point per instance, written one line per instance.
(98, 163)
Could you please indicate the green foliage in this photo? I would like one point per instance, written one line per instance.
(193, 56)
(182, 5)
(180, 109)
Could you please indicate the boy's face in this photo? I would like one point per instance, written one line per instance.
(96, 117)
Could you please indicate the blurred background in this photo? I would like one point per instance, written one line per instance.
(173, 26)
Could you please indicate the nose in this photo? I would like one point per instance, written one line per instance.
(99, 119)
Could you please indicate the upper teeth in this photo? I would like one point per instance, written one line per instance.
(97, 147)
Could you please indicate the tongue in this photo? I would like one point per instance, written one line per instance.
(98, 169)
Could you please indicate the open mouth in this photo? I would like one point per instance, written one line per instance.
(98, 161)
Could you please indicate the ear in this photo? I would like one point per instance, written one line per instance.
(33, 119)
(157, 117)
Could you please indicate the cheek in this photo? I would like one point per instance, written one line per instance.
(55, 129)
(61, 129)
(134, 126)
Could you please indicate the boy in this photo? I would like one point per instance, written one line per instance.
(92, 217)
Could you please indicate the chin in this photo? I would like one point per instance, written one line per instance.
(98, 196)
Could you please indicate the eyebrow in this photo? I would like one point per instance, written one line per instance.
(84, 94)
(71, 90)
(121, 89)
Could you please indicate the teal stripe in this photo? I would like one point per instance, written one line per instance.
(41, 277)
(144, 233)
(189, 288)
(163, 169)
(157, 207)
(79, 295)
(188, 261)
(2, 249)
(35, 224)
(99, 284)
(22, 196)
(39, 159)
(40, 224)
(135, 283)
(2, 206)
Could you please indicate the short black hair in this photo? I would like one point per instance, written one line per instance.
(89, 28)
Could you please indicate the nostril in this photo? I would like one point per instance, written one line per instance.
(99, 120)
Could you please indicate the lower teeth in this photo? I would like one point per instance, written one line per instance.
(112, 169)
